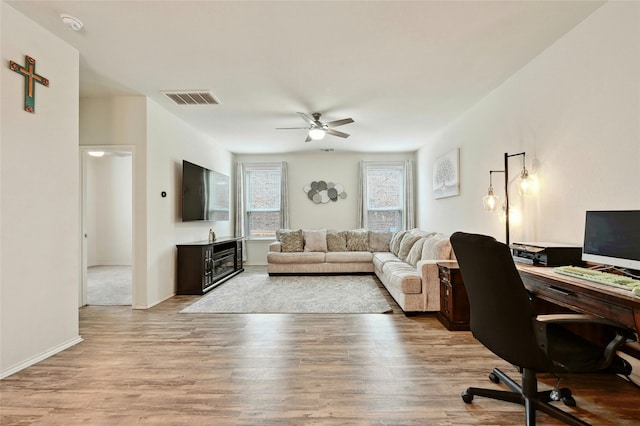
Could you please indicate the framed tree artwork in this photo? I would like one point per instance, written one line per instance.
(446, 175)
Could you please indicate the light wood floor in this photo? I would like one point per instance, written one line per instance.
(162, 367)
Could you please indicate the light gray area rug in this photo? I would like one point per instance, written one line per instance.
(109, 285)
(259, 293)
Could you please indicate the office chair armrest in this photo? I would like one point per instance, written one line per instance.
(586, 319)
(579, 318)
(623, 334)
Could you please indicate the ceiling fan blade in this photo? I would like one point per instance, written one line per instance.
(308, 119)
(337, 123)
(291, 128)
(337, 133)
(308, 139)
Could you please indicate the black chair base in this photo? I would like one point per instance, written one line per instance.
(527, 395)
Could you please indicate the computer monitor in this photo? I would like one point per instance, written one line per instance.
(612, 238)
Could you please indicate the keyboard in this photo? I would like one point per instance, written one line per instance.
(599, 277)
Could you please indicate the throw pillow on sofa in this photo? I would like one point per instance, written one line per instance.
(292, 241)
(416, 252)
(336, 241)
(315, 240)
(421, 233)
(379, 240)
(395, 241)
(358, 240)
(436, 247)
(406, 244)
(281, 231)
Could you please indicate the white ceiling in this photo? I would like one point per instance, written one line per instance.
(402, 70)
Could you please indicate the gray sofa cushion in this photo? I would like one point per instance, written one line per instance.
(380, 240)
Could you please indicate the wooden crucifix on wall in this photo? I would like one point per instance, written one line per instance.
(30, 78)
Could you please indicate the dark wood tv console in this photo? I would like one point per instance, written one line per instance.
(203, 265)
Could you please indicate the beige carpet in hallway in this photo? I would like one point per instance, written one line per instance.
(109, 285)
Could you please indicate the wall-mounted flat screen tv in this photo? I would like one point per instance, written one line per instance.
(205, 194)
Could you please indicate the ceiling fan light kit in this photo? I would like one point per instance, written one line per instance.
(316, 134)
(318, 129)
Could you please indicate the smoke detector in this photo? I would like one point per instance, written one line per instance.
(72, 22)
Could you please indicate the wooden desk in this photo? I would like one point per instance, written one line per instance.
(582, 296)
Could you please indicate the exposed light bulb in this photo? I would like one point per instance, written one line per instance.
(490, 201)
(515, 217)
(525, 186)
(316, 133)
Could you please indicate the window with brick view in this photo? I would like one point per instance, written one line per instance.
(263, 201)
(384, 197)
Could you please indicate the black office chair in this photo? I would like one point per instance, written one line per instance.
(504, 320)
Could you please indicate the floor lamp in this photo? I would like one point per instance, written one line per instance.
(490, 201)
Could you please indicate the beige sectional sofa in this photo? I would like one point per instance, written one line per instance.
(404, 261)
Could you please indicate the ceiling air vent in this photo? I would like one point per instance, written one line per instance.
(192, 97)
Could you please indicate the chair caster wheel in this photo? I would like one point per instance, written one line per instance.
(569, 401)
(467, 397)
(494, 378)
(563, 395)
(565, 392)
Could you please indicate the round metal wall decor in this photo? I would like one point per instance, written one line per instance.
(323, 192)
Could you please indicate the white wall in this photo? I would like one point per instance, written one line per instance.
(575, 110)
(171, 140)
(161, 142)
(109, 210)
(39, 178)
(121, 121)
(304, 168)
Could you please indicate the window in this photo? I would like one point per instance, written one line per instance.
(384, 197)
(263, 192)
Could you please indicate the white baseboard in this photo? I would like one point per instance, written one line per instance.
(41, 357)
(154, 304)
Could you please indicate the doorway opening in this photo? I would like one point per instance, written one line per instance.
(107, 226)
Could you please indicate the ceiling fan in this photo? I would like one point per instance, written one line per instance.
(317, 129)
